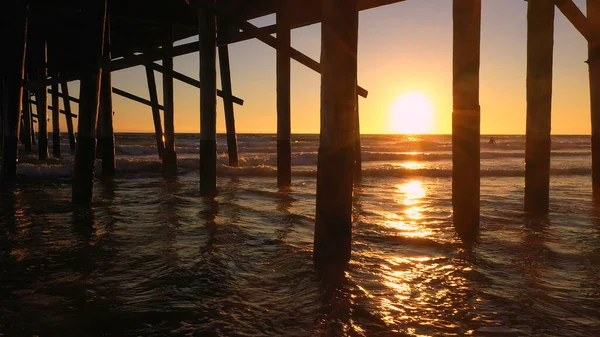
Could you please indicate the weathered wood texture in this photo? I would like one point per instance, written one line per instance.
(540, 46)
(339, 40)
(466, 117)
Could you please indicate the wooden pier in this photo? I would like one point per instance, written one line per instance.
(47, 44)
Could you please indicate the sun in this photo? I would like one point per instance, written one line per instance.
(412, 113)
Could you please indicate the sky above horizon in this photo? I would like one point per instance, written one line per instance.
(405, 62)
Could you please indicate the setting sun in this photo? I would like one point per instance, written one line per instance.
(412, 113)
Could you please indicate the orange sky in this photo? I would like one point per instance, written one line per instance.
(402, 47)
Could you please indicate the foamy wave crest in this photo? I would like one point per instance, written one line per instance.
(139, 150)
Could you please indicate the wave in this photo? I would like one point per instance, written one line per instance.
(138, 166)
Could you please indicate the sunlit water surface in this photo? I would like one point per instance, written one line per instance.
(152, 258)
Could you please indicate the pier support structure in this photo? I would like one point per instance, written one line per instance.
(232, 146)
(64, 87)
(14, 42)
(39, 57)
(540, 46)
(92, 50)
(169, 155)
(106, 135)
(158, 131)
(284, 130)
(208, 102)
(26, 128)
(55, 122)
(466, 117)
(357, 146)
(333, 225)
(593, 16)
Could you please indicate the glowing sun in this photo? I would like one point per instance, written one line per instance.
(412, 113)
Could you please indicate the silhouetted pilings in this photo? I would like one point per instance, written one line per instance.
(357, 146)
(232, 146)
(55, 122)
(593, 16)
(26, 125)
(106, 135)
(284, 127)
(14, 24)
(335, 167)
(208, 102)
(540, 46)
(38, 54)
(64, 87)
(466, 116)
(169, 155)
(92, 48)
(158, 132)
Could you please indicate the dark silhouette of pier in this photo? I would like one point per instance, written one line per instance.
(47, 44)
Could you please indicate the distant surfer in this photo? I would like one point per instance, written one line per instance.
(492, 141)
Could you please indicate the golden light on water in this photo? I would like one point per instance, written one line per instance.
(412, 113)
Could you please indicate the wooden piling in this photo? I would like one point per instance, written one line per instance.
(208, 102)
(466, 117)
(64, 87)
(26, 128)
(357, 146)
(55, 122)
(232, 146)
(160, 145)
(284, 148)
(14, 42)
(339, 40)
(540, 45)
(33, 142)
(92, 49)
(106, 136)
(593, 15)
(41, 98)
(169, 155)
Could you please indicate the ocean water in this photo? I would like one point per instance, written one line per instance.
(152, 258)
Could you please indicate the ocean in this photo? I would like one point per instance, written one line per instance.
(150, 257)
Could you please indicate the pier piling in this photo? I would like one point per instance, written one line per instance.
(466, 117)
(64, 87)
(14, 42)
(55, 122)
(540, 45)
(169, 155)
(39, 54)
(357, 146)
(92, 46)
(158, 132)
(593, 16)
(284, 149)
(106, 136)
(335, 167)
(232, 147)
(26, 128)
(208, 102)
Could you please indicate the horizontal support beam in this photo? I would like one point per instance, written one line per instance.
(135, 98)
(51, 107)
(193, 82)
(60, 94)
(150, 56)
(577, 19)
(271, 41)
